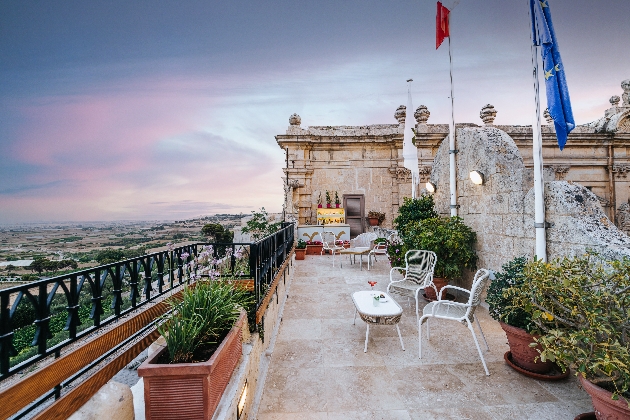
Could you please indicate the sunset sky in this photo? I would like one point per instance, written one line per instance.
(157, 109)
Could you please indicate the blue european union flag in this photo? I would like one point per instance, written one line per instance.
(558, 100)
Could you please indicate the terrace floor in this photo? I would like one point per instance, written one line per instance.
(318, 369)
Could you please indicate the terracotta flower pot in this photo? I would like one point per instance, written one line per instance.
(314, 249)
(522, 354)
(605, 407)
(300, 253)
(439, 282)
(337, 205)
(191, 390)
(373, 221)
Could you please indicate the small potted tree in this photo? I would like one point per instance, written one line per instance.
(328, 200)
(516, 323)
(203, 334)
(453, 243)
(581, 305)
(300, 249)
(375, 218)
(337, 201)
(319, 201)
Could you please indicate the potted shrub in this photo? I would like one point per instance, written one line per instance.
(376, 218)
(300, 249)
(516, 323)
(337, 201)
(581, 304)
(319, 201)
(203, 334)
(328, 200)
(414, 210)
(314, 247)
(453, 243)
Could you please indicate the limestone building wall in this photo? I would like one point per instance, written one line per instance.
(368, 159)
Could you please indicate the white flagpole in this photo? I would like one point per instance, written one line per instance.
(410, 154)
(539, 187)
(452, 151)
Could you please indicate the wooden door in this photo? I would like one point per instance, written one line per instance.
(354, 205)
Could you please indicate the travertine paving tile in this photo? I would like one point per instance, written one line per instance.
(319, 371)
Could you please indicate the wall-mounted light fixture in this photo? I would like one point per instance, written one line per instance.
(477, 177)
(241, 402)
(431, 187)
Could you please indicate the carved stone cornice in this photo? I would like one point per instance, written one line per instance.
(425, 172)
(560, 170)
(621, 171)
(402, 174)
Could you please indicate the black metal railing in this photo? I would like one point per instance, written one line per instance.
(39, 319)
(266, 257)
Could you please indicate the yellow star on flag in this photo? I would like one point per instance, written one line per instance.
(548, 74)
(543, 3)
(557, 67)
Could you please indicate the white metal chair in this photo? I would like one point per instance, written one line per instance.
(329, 243)
(378, 249)
(419, 266)
(455, 311)
(364, 240)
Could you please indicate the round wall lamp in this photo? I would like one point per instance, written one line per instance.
(477, 177)
(431, 187)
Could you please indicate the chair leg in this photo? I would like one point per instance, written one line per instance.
(482, 335)
(428, 330)
(419, 339)
(400, 336)
(367, 334)
(472, 331)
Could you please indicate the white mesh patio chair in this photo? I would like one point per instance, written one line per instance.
(364, 240)
(419, 266)
(378, 249)
(455, 311)
(329, 242)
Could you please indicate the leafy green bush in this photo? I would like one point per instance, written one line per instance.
(414, 210)
(301, 244)
(205, 314)
(499, 297)
(581, 305)
(452, 241)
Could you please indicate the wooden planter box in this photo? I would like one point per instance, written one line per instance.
(314, 249)
(191, 390)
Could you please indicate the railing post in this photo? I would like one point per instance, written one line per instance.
(160, 273)
(41, 323)
(97, 299)
(73, 308)
(148, 288)
(133, 282)
(6, 334)
(117, 291)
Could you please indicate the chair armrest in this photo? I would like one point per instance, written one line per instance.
(452, 287)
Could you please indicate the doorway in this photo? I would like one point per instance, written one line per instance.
(354, 204)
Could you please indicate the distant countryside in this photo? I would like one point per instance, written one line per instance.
(31, 252)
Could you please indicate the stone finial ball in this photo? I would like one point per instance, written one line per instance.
(400, 114)
(547, 116)
(295, 119)
(488, 114)
(422, 114)
(614, 100)
(625, 85)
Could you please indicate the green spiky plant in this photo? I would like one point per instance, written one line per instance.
(203, 316)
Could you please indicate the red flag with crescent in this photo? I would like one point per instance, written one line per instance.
(441, 24)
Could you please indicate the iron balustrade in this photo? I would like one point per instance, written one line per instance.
(124, 286)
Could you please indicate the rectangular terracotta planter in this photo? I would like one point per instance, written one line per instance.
(314, 249)
(300, 253)
(191, 390)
